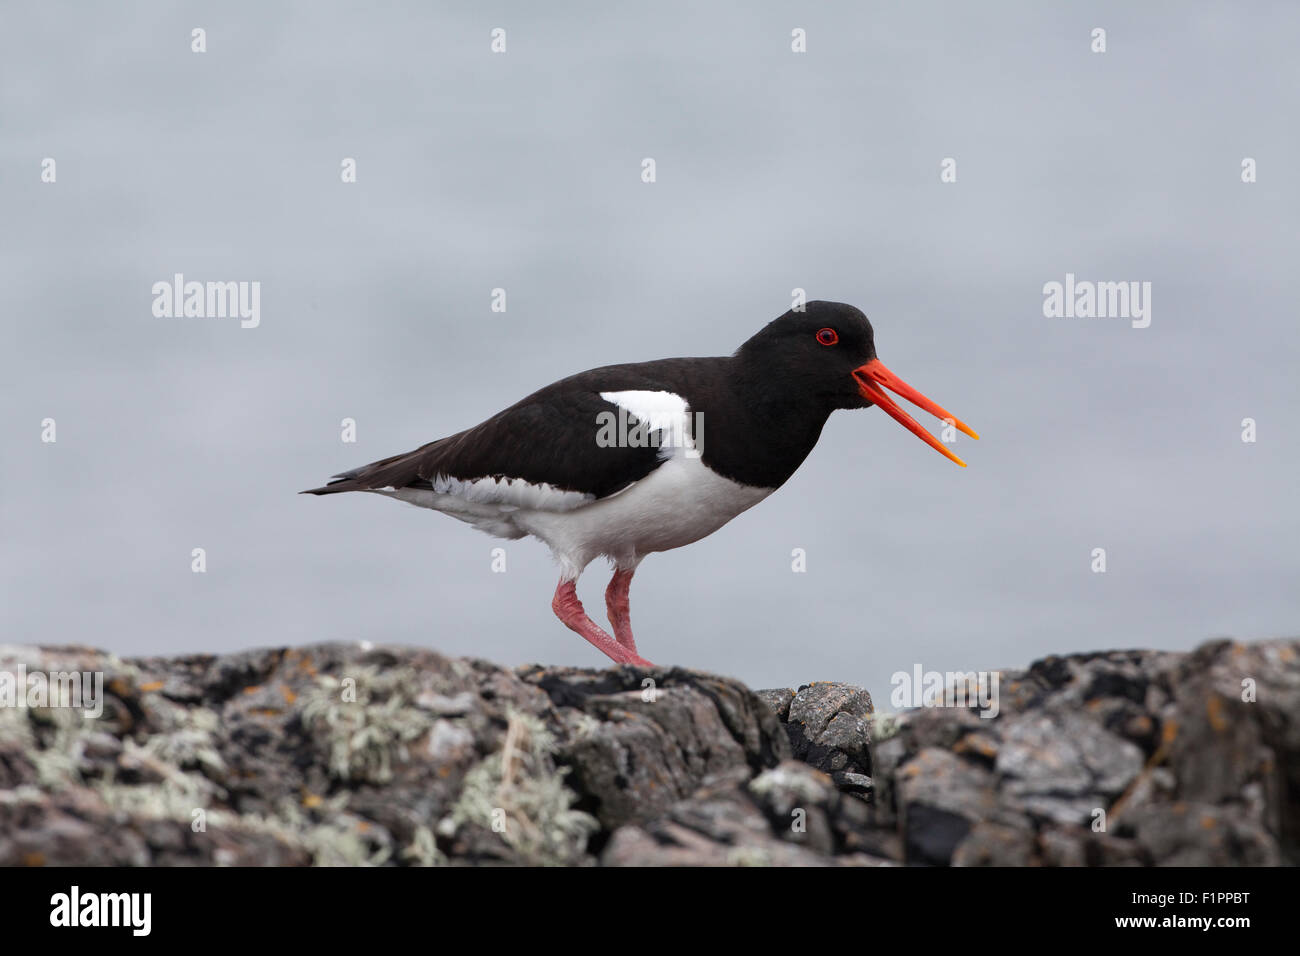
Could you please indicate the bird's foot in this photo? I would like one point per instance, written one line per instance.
(569, 610)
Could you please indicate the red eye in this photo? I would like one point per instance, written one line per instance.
(828, 336)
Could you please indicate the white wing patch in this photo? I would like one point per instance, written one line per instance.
(664, 412)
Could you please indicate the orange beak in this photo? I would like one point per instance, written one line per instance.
(873, 378)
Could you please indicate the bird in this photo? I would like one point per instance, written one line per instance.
(628, 460)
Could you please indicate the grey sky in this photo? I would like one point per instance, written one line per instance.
(775, 170)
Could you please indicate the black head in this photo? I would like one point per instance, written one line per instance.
(825, 355)
(816, 351)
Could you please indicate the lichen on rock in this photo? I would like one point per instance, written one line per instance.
(349, 755)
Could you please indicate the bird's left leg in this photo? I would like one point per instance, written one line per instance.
(569, 609)
(619, 607)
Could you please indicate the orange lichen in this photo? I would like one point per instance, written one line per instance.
(1214, 711)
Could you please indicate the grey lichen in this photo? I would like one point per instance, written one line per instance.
(518, 794)
(884, 725)
(188, 738)
(423, 849)
(53, 738)
(748, 856)
(781, 779)
(365, 721)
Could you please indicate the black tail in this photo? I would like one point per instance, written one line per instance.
(399, 471)
(333, 488)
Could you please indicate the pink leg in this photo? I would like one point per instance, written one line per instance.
(620, 608)
(569, 609)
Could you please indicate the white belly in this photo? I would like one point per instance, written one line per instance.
(679, 502)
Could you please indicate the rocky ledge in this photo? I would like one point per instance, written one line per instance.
(346, 754)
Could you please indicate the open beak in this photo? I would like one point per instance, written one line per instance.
(873, 378)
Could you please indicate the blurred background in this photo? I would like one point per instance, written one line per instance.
(775, 170)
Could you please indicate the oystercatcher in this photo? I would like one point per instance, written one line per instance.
(626, 460)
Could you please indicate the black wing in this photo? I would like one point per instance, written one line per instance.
(549, 437)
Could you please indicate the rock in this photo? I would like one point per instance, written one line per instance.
(339, 754)
(1063, 765)
(790, 815)
(778, 701)
(1199, 834)
(336, 754)
(940, 798)
(635, 750)
(993, 844)
(827, 724)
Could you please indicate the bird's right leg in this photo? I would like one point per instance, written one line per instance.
(569, 609)
(619, 607)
